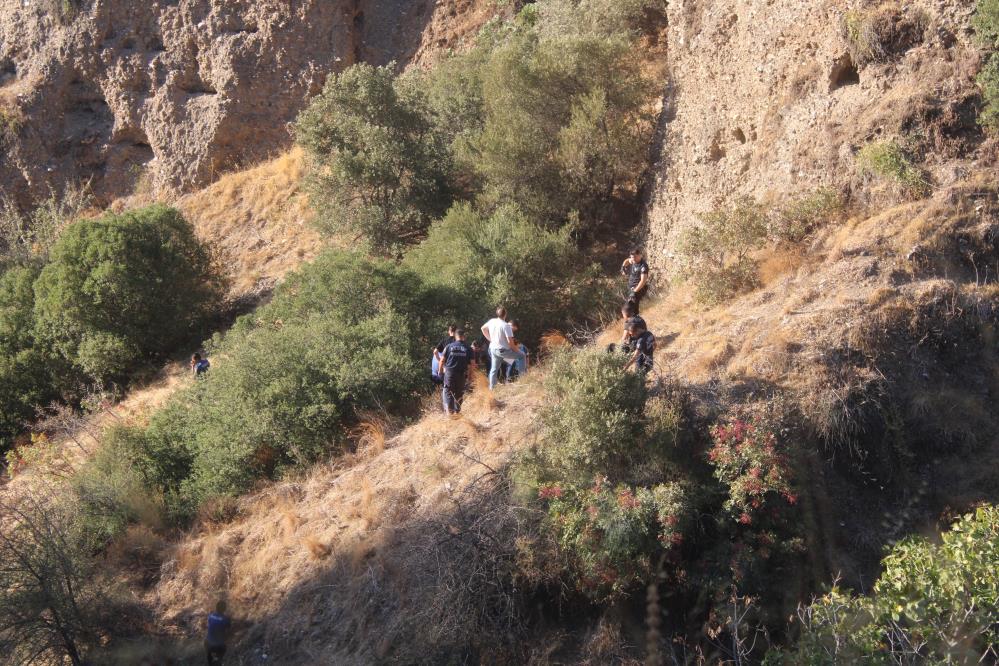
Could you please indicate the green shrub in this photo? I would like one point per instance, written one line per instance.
(604, 470)
(878, 35)
(110, 492)
(565, 124)
(342, 334)
(937, 601)
(29, 375)
(889, 161)
(600, 18)
(715, 255)
(123, 289)
(988, 81)
(539, 275)
(796, 220)
(379, 169)
(28, 237)
(986, 23)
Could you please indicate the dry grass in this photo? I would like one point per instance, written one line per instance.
(260, 219)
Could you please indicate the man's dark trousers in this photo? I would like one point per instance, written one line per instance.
(454, 391)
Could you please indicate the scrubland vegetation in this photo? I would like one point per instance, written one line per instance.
(481, 182)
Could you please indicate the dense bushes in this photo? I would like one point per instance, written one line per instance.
(122, 288)
(341, 335)
(107, 295)
(380, 170)
(986, 24)
(604, 469)
(554, 122)
(537, 274)
(932, 604)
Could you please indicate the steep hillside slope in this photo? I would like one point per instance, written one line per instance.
(768, 99)
(95, 90)
(878, 340)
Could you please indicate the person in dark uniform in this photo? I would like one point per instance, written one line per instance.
(436, 374)
(454, 363)
(641, 345)
(218, 625)
(636, 270)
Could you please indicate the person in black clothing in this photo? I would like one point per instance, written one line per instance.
(436, 373)
(641, 345)
(454, 363)
(636, 270)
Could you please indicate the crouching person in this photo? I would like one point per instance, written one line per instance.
(641, 344)
(454, 364)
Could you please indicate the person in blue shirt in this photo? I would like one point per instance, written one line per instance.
(199, 366)
(217, 633)
(454, 364)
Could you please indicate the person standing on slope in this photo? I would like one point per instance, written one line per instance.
(217, 633)
(436, 374)
(503, 345)
(636, 269)
(454, 367)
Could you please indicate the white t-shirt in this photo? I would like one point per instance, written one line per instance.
(500, 333)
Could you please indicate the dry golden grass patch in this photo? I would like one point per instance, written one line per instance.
(260, 219)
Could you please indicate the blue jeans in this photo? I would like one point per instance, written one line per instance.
(509, 355)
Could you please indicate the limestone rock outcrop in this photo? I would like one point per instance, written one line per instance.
(177, 91)
(769, 99)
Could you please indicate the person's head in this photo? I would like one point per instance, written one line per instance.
(634, 328)
(195, 358)
(629, 310)
(220, 607)
(501, 313)
(451, 328)
(636, 253)
(459, 333)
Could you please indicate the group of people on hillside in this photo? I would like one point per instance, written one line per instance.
(500, 353)
(506, 358)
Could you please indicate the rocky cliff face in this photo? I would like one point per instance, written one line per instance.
(179, 90)
(768, 99)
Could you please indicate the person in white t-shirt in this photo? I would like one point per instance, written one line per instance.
(503, 346)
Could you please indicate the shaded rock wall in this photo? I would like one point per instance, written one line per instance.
(181, 90)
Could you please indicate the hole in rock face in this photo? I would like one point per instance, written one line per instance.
(739, 135)
(198, 86)
(8, 71)
(844, 73)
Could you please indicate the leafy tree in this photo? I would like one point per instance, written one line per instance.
(379, 169)
(504, 258)
(123, 288)
(29, 374)
(564, 125)
(934, 603)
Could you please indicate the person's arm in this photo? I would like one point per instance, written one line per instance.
(642, 281)
(632, 360)
(624, 266)
(485, 333)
